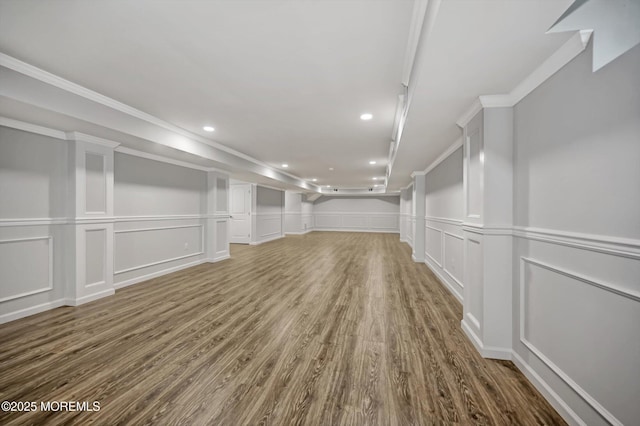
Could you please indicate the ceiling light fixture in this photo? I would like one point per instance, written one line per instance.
(366, 116)
(331, 168)
(208, 129)
(314, 180)
(372, 162)
(285, 165)
(375, 178)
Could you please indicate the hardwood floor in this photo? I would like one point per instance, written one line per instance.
(325, 328)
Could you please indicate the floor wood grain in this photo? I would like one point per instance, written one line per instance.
(321, 329)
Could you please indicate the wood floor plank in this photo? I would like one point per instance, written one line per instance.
(325, 328)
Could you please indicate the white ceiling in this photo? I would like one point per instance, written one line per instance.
(286, 81)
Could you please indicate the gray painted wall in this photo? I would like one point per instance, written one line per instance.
(268, 214)
(444, 188)
(577, 170)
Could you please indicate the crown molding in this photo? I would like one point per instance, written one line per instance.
(453, 148)
(32, 128)
(561, 57)
(75, 89)
(162, 159)
(82, 137)
(418, 173)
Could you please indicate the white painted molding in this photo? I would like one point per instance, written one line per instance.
(32, 128)
(162, 159)
(547, 361)
(471, 112)
(257, 243)
(366, 230)
(444, 254)
(89, 298)
(453, 148)
(441, 246)
(49, 285)
(486, 351)
(82, 137)
(625, 247)
(73, 88)
(9, 222)
(124, 231)
(417, 173)
(449, 221)
(151, 275)
(444, 281)
(31, 310)
(546, 390)
(569, 50)
(159, 262)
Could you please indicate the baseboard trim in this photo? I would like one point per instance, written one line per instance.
(444, 282)
(549, 394)
(218, 259)
(486, 351)
(380, 231)
(90, 298)
(156, 274)
(257, 243)
(299, 233)
(32, 310)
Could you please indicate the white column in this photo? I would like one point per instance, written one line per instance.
(217, 217)
(89, 237)
(488, 205)
(419, 212)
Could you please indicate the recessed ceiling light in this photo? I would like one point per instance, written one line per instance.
(208, 129)
(328, 186)
(372, 162)
(285, 165)
(314, 180)
(375, 178)
(331, 168)
(366, 116)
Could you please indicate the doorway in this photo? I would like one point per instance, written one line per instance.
(240, 198)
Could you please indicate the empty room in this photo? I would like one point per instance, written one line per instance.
(322, 212)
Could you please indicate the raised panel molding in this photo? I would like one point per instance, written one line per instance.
(159, 262)
(444, 256)
(427, 245)
(544, 358)
(47, 286)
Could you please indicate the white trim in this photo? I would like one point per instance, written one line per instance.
(162, 159)
(32, 128)
(159, 262)
(90, 298)
(561, 57)
(444, 281)
(444, 252)
(368, 230)
(156, 274)
(471, 112)
(547, 391)
(32, 310)
(75, 89)
(299, 233)
(124, 231)
(82, 137)
(218, 259)
(446, 154)
(441, 246)
(538, 353)
(49, 284)
(486, 351)
(257, 243)
(446, 220)
(625, 247)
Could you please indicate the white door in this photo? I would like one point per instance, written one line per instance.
(240, 213)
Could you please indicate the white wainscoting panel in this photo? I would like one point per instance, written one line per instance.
(433, 244)
(26, 267)
(95, 256)
(473, 280)
(356, 222)
(567, 318)
(222, 239)
(453, 261)
(145, 247)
